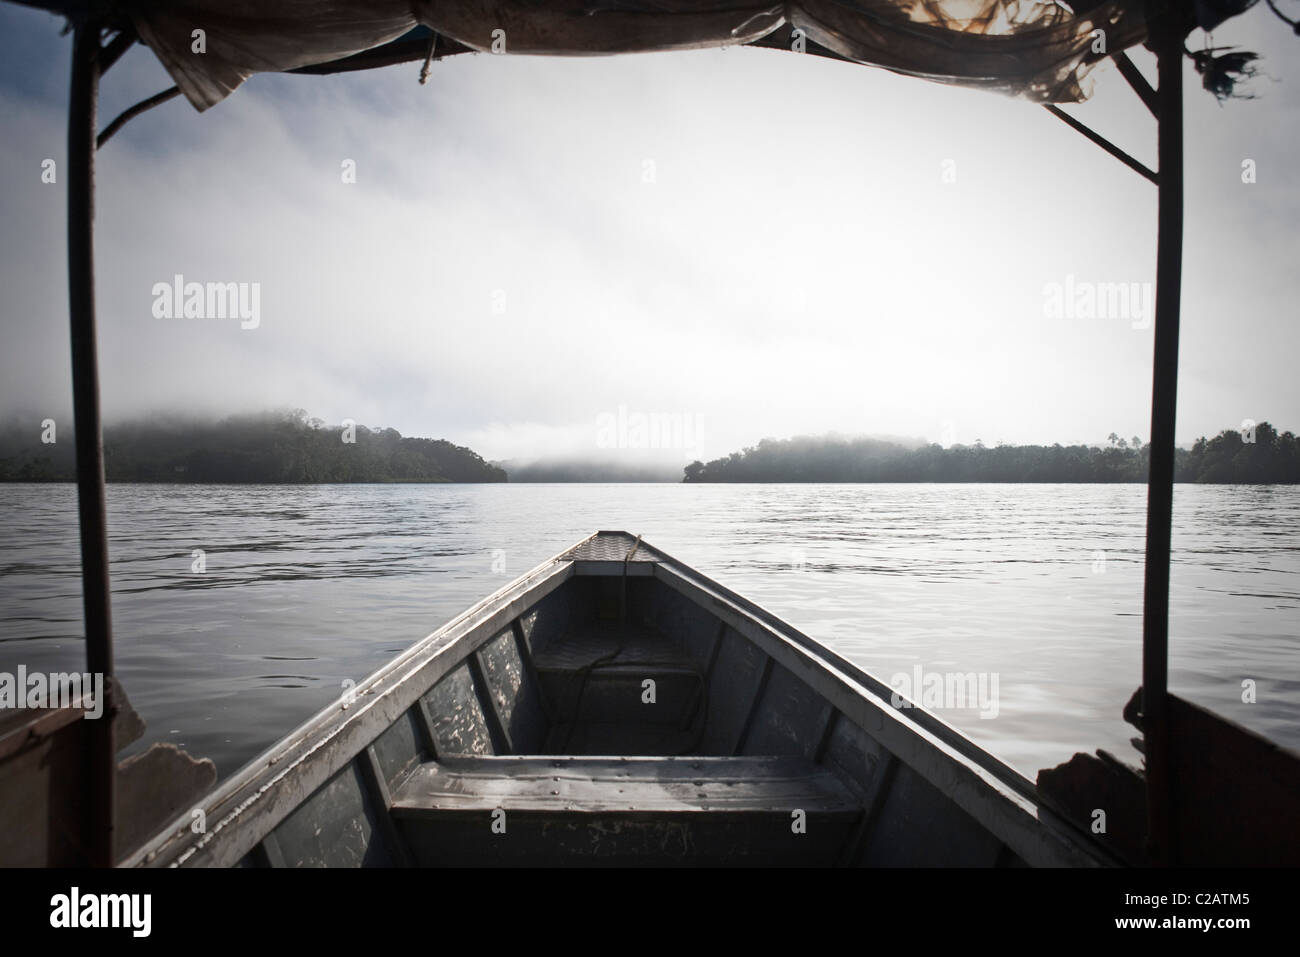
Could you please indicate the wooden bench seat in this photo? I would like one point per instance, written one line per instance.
(593, 679)
(662, 810)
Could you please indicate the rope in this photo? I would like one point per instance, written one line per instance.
(623, 595)
(701, 695)
(584, 673)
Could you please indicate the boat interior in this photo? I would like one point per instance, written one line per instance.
(614, 707)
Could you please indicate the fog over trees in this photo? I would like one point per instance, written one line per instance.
(273, 447)
(287, 447)
(1232, 456)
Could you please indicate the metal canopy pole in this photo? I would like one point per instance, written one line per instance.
(98, 809)
(1101, 141)
(1167, 43)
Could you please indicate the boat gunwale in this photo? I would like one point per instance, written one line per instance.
(256, 779)
(922, 732)
(915, 713)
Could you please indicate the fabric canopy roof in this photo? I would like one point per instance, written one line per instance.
(1036, 49)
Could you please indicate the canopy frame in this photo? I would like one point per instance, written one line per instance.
(90, 59)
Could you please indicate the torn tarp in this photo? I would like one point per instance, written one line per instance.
(1036, 49)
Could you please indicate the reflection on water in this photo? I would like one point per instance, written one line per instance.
(305, 587)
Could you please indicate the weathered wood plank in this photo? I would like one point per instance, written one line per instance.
(595, 675)
(918, 826)
(43, 788)
(399, 749)
(763, 678)
(269, 848)
(689, 626)
(424, 721)
(573, 811)
(1215, 821)
(872, 799)
(733, 685)
(155, 786)
(591, 785)
(381, 799)
(789, 717)
(1235, 793)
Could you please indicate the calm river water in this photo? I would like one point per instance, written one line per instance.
(306, 586)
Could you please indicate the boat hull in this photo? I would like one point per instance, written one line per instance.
(613, 706)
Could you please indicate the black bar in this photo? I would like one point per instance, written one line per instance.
(1101, 141)
(124, 40)
(1167, 41)
(101, 764)
(1128, 69)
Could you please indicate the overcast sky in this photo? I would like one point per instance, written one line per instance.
(502, 274)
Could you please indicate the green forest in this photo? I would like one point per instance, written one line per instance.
(1228, 458)
(268, 448)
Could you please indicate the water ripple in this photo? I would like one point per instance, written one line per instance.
(1039, 584)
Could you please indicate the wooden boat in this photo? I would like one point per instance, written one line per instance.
(347, 786)
(614, 706)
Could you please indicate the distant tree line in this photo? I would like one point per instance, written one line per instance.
(271, 448)
(589, 470)
(1228, 458)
